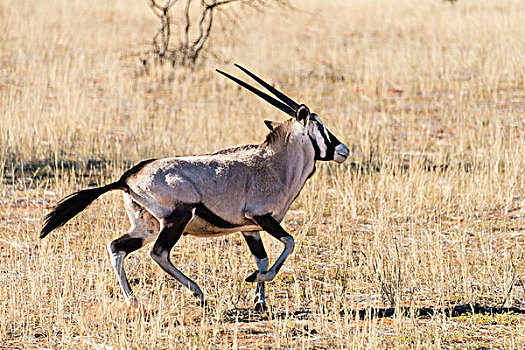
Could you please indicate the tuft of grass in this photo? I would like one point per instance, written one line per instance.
(485, 319)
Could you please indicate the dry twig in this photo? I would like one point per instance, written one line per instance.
(195, 33)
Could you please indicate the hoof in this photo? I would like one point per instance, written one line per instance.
(252, 277)
(132, 308)
(261, 307)
(202, 302)
(206, 307)
(134, 303)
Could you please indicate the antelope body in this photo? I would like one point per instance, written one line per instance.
(245, 188)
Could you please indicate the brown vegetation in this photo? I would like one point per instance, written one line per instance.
(428, 217)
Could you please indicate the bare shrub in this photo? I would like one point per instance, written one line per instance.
(194, 30)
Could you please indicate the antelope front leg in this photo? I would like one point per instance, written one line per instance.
(255, 244)
(270, 225)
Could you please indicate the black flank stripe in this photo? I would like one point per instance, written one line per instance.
(206, 214)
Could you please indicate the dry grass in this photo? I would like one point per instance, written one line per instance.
(430, 96)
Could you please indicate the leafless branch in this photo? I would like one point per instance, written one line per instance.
(190, 45)
(187, 24)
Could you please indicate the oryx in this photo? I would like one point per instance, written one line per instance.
(245, 188)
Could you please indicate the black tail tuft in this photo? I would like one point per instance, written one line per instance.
(73, 204)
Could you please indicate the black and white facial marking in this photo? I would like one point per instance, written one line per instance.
(326, 145)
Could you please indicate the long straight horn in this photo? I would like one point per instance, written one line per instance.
(270, 88)
(276, 103)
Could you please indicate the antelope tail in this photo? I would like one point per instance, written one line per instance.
(73, 204)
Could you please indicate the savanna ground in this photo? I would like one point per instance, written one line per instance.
(427, 216)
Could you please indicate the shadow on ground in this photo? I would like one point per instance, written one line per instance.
(250, 315)
(424, 312)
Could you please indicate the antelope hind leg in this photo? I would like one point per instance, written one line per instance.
(171, 229)
(144, 228)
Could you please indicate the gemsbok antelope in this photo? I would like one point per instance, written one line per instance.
(245, 188)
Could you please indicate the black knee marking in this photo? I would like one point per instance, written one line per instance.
(256, 247)
(252, 277)
(126, 244)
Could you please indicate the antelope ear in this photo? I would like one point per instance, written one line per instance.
(271, 125)
(302, 114)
